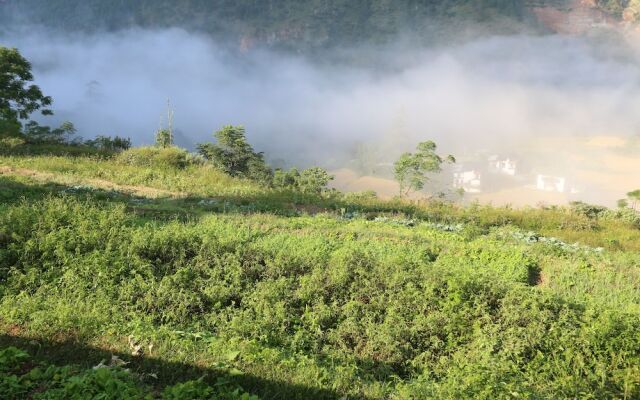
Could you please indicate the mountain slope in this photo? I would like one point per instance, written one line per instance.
(279, 23)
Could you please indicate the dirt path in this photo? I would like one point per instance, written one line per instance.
(136, 190)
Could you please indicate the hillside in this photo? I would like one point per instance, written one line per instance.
(182, 272)
(301, 26)
(225, 272)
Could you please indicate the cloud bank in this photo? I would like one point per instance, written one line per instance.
(489, 92)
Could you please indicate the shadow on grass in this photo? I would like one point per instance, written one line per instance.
(169, 373)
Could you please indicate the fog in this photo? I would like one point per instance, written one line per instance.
(493, 93)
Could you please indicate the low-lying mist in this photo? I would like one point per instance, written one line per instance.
(494, 94)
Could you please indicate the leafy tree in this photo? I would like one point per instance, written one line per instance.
(233, 154)
(18, 97)
(10, 128)
(411, 169)
(312, 180)
(623, 203)
(634, 196)
(286, 179)
(258, 170)
(164, 138)
(115, 143)
(37, 133)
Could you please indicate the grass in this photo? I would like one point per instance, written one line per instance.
(196, 183)
(288, 296)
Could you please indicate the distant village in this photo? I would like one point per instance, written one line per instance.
(497, 172)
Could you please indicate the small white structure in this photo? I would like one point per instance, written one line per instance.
(470, 181)
(551, 183)
(505, 166)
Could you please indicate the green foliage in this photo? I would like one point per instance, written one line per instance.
(588, 210)
(634, 197)
(234, 155)
(10, 128)
(36, 133)
(310, 181)
(286, 179)
(364, 299)
(18, 97)
(164, 138)
(292, 24)
(313, 180)
(11, 143)
(109, 143)
(411, 170)
(169, 157)
(19, 380)
(198, 390)
(374, 308)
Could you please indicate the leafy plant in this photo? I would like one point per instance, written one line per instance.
(411, 169)
(232, 153)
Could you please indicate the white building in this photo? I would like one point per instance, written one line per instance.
(505, 166)
(470, 181)
(551, 183)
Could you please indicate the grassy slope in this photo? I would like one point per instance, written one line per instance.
(430, 301)
(189, 187)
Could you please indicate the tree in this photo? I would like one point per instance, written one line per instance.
(37, 133)
(164, 138)
(286, 179)
(411, 169)
(233, 154)
(634, 196)
(18, 97)
(313, 180)
(115, 143)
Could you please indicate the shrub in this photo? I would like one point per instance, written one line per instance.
(11, 142)
(115, 143)
(311, 181)
(170, 157)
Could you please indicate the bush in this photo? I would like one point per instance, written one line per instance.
(11, 142)
(232, 153)
(115, 143)
(311, 181)
(151, 156)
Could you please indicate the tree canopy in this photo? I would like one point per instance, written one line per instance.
(232, 153)
(411, 169)
(19, 98)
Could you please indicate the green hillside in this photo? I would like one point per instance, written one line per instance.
(304, 26)
(158, 273)
(186, 273)
(281, 23)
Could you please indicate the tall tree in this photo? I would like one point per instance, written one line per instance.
(19, 98)
(232, 153)
(634, 196)
(411, 169)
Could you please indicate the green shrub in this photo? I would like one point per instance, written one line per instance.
(151, 156)
(11, 142)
